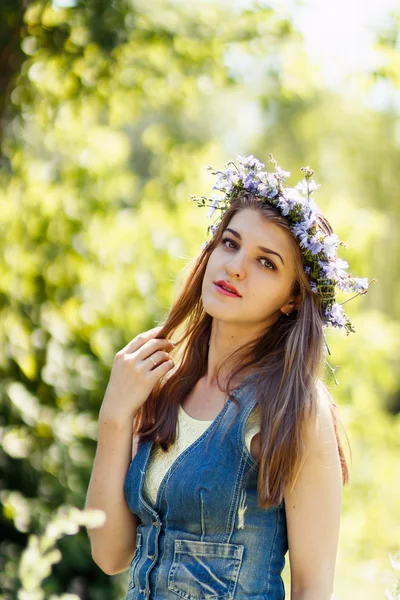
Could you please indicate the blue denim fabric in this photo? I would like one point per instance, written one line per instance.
(205, 538)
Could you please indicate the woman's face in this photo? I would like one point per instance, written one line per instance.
(263, 278)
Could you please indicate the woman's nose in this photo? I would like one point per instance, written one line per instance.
(235, 267)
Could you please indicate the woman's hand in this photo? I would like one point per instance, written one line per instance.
(133, 374)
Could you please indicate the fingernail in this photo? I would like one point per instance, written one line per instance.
(173, 343)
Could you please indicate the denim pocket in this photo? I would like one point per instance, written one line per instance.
(205, 570)
(134, 560)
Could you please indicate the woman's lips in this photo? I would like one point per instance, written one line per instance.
(225, 292)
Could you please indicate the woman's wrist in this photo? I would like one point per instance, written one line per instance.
(110, 417)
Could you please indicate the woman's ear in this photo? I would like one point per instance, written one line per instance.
(296, 302)
(292, 304)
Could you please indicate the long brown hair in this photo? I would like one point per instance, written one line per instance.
(288, 357)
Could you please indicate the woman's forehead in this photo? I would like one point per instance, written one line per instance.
(256, 228)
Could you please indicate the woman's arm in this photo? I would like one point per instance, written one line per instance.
(133, 377)
(113, 545)
(313, 511)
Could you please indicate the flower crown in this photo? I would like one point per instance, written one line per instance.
(326, 272)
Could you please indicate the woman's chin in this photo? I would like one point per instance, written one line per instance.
(217, 310)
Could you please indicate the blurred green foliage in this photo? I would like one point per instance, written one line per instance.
(110, 111)
(41, 552)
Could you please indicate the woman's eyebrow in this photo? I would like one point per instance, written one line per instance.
(267, 250)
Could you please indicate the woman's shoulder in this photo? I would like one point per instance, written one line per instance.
(321, 425)
(323, 390)
(325, 403)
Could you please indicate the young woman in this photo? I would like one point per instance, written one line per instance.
(236, 457)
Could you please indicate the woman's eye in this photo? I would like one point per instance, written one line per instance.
(269, 263)
(229, 240)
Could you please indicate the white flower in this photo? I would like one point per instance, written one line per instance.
(331, 242)
(359, 284)
(282, 174)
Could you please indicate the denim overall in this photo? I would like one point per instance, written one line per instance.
(205, 538)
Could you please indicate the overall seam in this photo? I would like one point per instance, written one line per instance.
(272, 552)
(142, 500)
(203, 529)
(152, 512)
(166, 528)
(235, 498)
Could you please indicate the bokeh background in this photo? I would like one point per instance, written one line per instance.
(110, 111)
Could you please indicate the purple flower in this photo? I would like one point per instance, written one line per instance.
(232, 176)
(262, 189)
(314, 244)
(250, 182)
(226, 180)
(359, 284)
(272, 193)
(221, 183)
(300, 231)
(344, 283)
(293, 199)
(331, 242)
(214, 206)
(335, 315)
(334, 269)
(283, 206)
(307, 222)
(249, 162)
